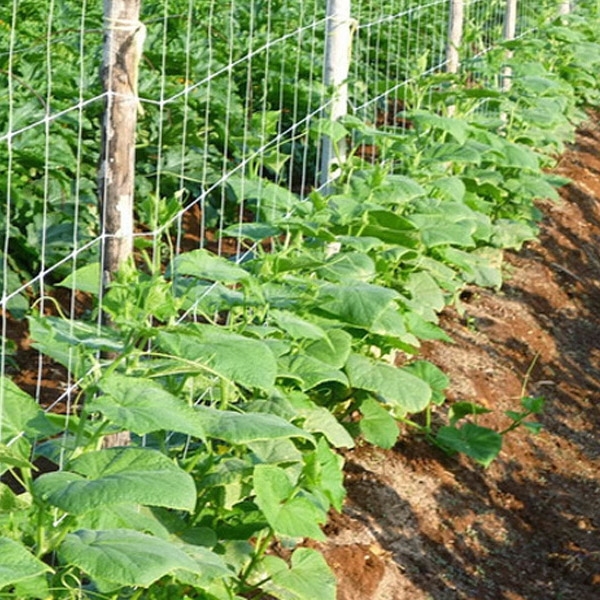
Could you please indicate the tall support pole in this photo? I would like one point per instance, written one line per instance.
(123, 42)
(456, 19)
(565, 8)
(337, 67)
(510, 30)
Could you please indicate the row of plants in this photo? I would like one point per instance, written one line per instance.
(241, 381)
(260, 82)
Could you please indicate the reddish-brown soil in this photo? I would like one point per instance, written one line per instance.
(418, 524)
(421, 525)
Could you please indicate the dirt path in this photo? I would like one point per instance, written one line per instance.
(420, 525)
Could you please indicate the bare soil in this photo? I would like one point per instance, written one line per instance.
(421, 525)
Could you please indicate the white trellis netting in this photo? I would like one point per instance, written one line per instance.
(230, 97)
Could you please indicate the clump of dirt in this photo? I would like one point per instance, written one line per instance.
(421, 525)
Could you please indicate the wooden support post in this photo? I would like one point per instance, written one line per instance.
(456, 19)
(565, 8)
(123, 42)
(510, 30)
(337, 68)
(455, 32)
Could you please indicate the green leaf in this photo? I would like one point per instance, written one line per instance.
(390, 228)
(460, 410)
(320, 420)
(457, 128)
(358, 304)
(512, 234)
(17, 564)
(425, 330)
(533, 404)
(142, 406)
(85, 279)
(334, 350)
(72, 343)
(240, 359)
(453, 152)
(332, 129)
(519, 157)
(327, 474)
(124, 557)
(116, 476)
(311, 371)
(210, 567)
(377, 425)
(480, 443)
(205, 265)
(295, 326)
(252, 231)
(440, 230)
(348, 265)
(396, 386)
(287, 513)
(533, 426)
(482, 267)
(243, 428)
(427, 298)
(399, 189)
(308, 577)
(435, 377)
(450, 188)
(22, 420)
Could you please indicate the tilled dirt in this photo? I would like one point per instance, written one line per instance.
(421, 525)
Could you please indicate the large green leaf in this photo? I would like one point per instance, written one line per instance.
(21, 420)
(397, 387)
(73, 344)
(457, 128)
(308, 577)
(390, 228)
(334, 350)
(435, 377)
(17, 563)
(440, 230)
(427, 298)
(116, 476)
(287, 513)
(240, 359)
(124, 557)
(142, 405)
(377, 425)
(319, 420)
(243, 428)
(480, 443)
(482, 267)
(86, 279)
(211, 567)
(295, 326)
(205, 265)
(311, 371)
(348, 265)
(357, 304)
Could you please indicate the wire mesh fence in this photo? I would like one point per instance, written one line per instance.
(231, 102)
(227, 229)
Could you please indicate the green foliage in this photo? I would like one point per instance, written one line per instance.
(238, 380)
